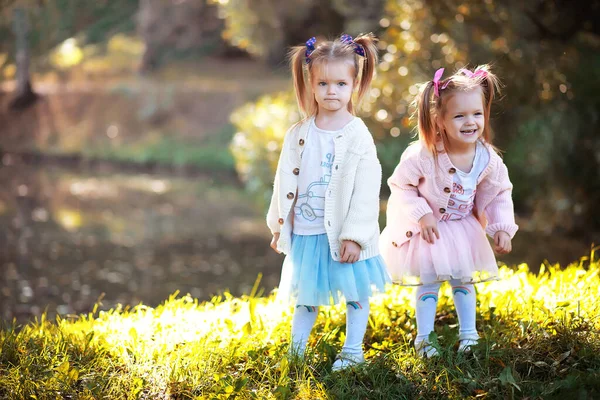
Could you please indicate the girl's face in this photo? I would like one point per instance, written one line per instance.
(332, 84)
(463, 119)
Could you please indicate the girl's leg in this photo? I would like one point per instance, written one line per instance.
(357, 317)
(302, 323)
(465, 303)
(427, 298)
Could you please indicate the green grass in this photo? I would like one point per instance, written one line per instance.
(539, 340)
(208, 155)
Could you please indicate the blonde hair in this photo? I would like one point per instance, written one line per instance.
(327, 51)
(431, 105)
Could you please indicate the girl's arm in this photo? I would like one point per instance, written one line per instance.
(404, 193)
(364, 204)
(500, 210)
(273, 213)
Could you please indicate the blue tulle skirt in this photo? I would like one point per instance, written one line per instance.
(311, 277)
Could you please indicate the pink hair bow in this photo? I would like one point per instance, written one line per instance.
(475, 74)
(436, 81)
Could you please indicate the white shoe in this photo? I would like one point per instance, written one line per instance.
(426, 350)
(346, 360)
(465, 345)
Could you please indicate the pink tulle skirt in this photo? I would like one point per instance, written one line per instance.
(462, 252)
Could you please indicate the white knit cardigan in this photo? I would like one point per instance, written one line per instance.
(352, 198)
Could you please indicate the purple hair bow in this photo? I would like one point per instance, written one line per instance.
(358, 49)
(310, 47)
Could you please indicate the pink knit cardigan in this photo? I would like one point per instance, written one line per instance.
(419, 187)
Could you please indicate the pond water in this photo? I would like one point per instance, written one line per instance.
(69, 238)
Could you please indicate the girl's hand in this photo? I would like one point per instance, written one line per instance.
(502, 242)
(350, 251)
(429, 230)
(274, 242)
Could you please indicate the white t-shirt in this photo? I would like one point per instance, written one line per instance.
(464, 187)
(315, 173)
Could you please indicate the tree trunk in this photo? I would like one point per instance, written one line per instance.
(148, 9)
(170, 27)
(24, 95)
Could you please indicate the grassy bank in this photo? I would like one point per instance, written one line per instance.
(178, 116)
(539, 340)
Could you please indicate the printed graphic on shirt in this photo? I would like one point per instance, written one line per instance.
(464, 187)
(460, 204)
(311, 204)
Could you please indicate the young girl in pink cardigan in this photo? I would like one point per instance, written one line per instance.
(449, 189)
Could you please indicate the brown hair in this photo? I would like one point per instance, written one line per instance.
(431, 106)
(332, 50)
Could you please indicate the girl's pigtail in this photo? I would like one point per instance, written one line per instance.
(425, 120)
(297, 56)
(491, 87)
(369, 44)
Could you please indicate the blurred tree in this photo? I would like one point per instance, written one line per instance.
(257, 144)
(562, 19)
(267, 28)
(169, 26)
(546, 52)
(23, 96)
(51, 22)
(39, 25)
(20, 27)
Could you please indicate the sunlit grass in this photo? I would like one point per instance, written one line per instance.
(539, 338)
(165, 150)
(211, 154)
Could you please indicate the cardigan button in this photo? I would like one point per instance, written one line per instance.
(280, 220)
(301, 142)
(336, 167)
(394, 244)
(447, 190)
(442, 210)
(290, 195)
(452, 170)
(409, 234)
(329, 223)
(296, 171)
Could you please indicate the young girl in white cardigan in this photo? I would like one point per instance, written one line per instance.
(325, 205)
